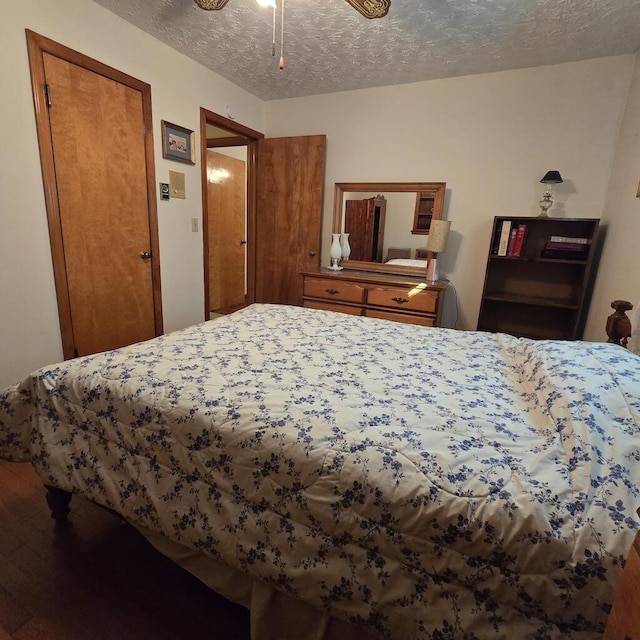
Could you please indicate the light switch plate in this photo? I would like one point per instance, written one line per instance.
(194, 224)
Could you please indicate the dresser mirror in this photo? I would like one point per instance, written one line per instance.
(388, 223)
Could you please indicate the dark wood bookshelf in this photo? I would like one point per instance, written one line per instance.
(537, 297)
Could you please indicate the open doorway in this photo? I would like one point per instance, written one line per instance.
(228, 217)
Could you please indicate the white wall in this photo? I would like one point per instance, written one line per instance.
(29, 329)
(490, 137)
(619, 273)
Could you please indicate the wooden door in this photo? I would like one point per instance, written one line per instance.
(364, 222)
(358, 223)
(96, 149)
(226, 205)
(288, 222)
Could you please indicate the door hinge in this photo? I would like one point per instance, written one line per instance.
(47, 95)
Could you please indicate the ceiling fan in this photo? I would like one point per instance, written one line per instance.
(368, 8)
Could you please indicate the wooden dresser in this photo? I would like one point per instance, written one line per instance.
(406, 299)
(624, 620)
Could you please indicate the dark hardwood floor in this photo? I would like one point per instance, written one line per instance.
(95, 578)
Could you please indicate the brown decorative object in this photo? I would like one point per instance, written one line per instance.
(618, 324)
(371, 8)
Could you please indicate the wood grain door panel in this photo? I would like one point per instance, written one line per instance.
(288, 215)
(102, 194)
(226, 195)
(96, 150)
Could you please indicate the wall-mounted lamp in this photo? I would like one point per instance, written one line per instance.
(551, 177)
(437, 243)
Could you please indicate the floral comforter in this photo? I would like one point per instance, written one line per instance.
(422, 483)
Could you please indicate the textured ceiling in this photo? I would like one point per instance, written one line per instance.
(330, 47)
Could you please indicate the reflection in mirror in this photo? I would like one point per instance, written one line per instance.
(387, 222)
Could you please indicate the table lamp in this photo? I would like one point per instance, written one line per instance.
(436, 243)
(551, 177)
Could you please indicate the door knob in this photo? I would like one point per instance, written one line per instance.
(146, 255)
(312, 253)
(243, 242)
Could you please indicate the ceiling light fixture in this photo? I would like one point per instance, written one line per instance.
(368, 8)
(272, 4)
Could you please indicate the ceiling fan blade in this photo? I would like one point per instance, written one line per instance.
(371, 8)
(368, 8)
(211, 5)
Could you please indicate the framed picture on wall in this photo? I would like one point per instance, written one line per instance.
(178, 143)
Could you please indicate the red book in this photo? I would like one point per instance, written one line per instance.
(521, 234)
(512, 241)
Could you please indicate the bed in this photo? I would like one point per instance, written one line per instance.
(411, 482)
(407, 262)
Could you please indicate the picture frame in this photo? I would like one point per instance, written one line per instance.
(178, 143)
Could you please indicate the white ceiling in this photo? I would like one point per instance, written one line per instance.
(330, 47)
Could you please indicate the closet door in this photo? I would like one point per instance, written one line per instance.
(290, 184)
(226, 232)
(96, 150)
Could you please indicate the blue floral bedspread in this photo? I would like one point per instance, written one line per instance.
(423, 483)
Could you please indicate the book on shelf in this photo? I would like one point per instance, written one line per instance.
(505, 234)
(559, 254)
(520, 234)
(566, 246)
(512, 240)
(496, 238)
(568, 239)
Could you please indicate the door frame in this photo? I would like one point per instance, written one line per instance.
(243, 136)
(37, 46)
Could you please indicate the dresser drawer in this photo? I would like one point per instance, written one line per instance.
(403, 299)
(333, 290)
(329, 306)
(406, 318)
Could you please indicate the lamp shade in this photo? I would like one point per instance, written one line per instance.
(438, 235)
(552, 177)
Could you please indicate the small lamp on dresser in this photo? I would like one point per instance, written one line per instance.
(437, 243)
(549, 178)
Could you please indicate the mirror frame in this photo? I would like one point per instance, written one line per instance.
(341, 188)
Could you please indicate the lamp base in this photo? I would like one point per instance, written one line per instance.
(545, 204)
(432, 270)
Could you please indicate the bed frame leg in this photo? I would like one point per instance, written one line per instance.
(58, 501)
(618, 324)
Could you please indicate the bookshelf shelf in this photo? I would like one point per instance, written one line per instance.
(533, 259)
(532, 296)
(531, 300)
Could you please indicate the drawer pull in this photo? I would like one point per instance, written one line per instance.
(331, 292)
(400, 300)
